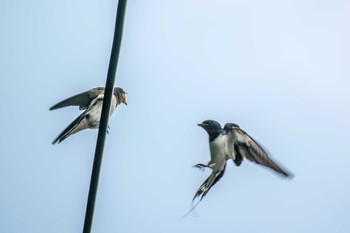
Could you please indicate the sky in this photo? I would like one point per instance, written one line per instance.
(279, 69)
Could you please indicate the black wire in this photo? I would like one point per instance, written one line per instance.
(118, 31)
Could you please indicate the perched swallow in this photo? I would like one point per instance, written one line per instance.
(90, 101)
(230, 142)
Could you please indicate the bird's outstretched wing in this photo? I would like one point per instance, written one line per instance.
(247, 147)
(82, 100)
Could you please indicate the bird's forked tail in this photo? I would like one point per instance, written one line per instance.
(214, 177)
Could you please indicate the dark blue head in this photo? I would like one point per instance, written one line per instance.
(212, 127)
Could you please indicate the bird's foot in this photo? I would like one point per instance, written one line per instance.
(108, 129)
(200, 166)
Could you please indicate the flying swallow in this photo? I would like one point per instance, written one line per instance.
(91, 102)
(230, 142)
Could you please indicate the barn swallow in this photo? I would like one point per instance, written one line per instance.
(230, 142)
(91, 102)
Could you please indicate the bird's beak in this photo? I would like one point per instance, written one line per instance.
(201, 124)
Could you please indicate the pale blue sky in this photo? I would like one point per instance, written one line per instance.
(279, 69)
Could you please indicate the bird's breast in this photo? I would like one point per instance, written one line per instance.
(94, 114)
(218, 152)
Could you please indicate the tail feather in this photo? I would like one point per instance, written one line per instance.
(214, 177)
(67, 131)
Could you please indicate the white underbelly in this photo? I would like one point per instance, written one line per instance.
(218, 151)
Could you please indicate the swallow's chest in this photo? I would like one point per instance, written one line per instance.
(218, 147)
(218, 152)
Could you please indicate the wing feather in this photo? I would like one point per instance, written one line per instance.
(67, 131)
(82, 100)
(248, 148)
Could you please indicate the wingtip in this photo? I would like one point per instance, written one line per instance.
(54, 107)
(285, 175)
(289, 176)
